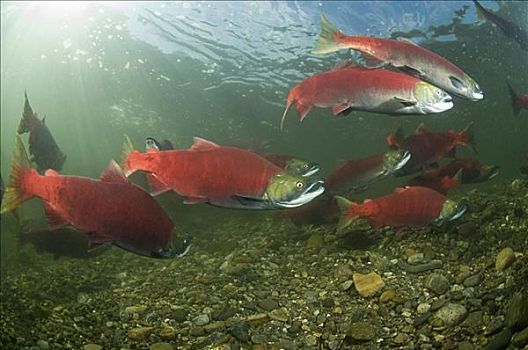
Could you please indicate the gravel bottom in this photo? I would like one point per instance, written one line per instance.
(268, 284)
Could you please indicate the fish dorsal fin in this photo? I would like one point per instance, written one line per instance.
(51, 172)
(200, 144)
(157, 186)
(406, 40)
(114, 174)
(55, 220)
(345, 64)
(400, 189)
(367, 200)
(421, 129)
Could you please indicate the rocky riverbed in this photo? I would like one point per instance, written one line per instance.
(268, 284)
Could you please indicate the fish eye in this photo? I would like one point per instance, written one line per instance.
(305, 166)
(299, 185)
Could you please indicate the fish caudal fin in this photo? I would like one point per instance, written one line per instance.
(467, 138)
(513, 96)
(326, 43)
(126, 149)
(347, 216)
(20, 167)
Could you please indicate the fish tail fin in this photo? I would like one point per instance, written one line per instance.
(27, 117)
(290, 101)
(124, 161)
(347, 209)
(467, 138)
(513, 96)
(15, 192)
(326, 43)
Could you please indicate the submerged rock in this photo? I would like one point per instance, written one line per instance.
(452, 314)
(499, 340)
(362, 331)
(516, 314)
(140, 333)
(437, 283)
(369, 284)
(505, 258)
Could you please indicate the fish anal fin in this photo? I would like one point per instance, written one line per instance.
(55, 220)
(157, 186)
(51, 172)
(114, 174)
(200, 144)
(371, 61)
(341, 108)
(195, 200)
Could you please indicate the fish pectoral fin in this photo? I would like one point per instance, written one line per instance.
(341, 108)
(411, 71)
(249, 202)
(372, 62)
(157, 186)
(114, 174)
(195, 200)
(55, 220)
(405, 102)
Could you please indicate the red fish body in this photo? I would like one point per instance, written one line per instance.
(207, 172)
(411, 206)
(355, 174)
(441, 184)
(518, 101)
(357, 88)
(110, 210)
(427, 147)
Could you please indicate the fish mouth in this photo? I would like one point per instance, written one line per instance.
(477, 95)
(314, 190)
(312, 170)
(401, 163)
(459, 211)
(493, 171)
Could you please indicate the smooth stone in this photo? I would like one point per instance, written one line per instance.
(465, 345)
(499, 340)
(433, 264)
(516, 313)
(505, 258)
(452, 314)
(520, 339)
(362, 331)
(315, 241)
(346, 285)
(278, 315)
(167, 333)
(136, 309)
(223, 314)
(437, 283)
(43, 345)
(495, 325)
(239, 330)
(140, 333)
(437, 304)
(472, 281)
(161, 346)
(423, 308)
(92, 347)
(268, 304)
(201, 320)
(180, 315)
(367, 285)
(473, 323)
(417, 258)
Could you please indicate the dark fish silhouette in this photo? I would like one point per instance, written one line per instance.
(63, 242)
(42, 146)
(518, 101)
(510, 29)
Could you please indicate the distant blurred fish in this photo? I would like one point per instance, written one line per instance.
(402, 54)
(111, 210)
(63, 242)
(352, 176)
(518, 101)
(42, 146)
(349, 87)
(164, 145)
(410, 206)
(427, 148)
(472, 171)
(441, 184)
(510, 29)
